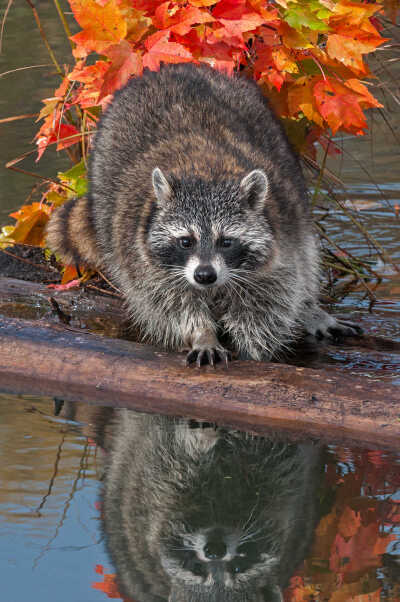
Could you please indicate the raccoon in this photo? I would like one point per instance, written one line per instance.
(198, 209)
(196, 513)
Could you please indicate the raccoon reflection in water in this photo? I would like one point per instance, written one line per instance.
(195, 513)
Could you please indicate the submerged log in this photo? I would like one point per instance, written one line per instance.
(43, 358)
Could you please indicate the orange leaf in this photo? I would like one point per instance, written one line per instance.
(124, 64)
(179, 21)
(352, 13)
(101, 26)
(293, 38)
(201, 2)
(266, 70)
(339, 106)
(301, 99)
(160, 49)
(349, 50)
(30, 230)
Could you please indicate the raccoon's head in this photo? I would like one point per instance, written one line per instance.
(208, 232)
(218, 564)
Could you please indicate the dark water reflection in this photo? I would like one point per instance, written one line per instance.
(166, 509)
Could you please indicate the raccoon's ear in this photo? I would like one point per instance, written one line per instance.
(161, 186)
(255, 187)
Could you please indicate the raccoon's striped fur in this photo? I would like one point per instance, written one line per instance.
(197, 513)
(198, 209)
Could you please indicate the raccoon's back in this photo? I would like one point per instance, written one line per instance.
(189, 121)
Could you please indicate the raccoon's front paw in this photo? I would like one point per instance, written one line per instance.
(202, 354)
(321, 325)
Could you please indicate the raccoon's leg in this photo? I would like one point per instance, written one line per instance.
(252, 334)
(205, 348)
(321, 325)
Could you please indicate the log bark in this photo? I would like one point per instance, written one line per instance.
(42, 358)
(82, 308)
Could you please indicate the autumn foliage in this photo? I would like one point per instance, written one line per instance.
(350, 539)
(308, 56)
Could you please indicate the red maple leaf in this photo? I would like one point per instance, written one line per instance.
(160, 49)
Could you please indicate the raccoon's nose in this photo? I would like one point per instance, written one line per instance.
(205, 274)
(215, 549)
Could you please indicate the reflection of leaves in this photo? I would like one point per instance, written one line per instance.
(350, 540)
(361, 551)
(108, 585)
(349, 523)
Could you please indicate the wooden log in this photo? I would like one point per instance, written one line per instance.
(82, 308)
(45, 359)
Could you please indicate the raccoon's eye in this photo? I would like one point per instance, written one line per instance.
(185, 242)
(239, 565)
(226, 242)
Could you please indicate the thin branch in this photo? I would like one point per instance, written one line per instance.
(17, 117)
(23, 68)
(44, 38)
(64, 22)
(4, 22)
(35, 265)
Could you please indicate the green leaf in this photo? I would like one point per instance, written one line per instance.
(76, 178)
(309, 14)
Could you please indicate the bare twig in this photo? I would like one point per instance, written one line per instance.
(17, 117)
(35, 265)
(44, 38)
(4, 22)
(23, 68)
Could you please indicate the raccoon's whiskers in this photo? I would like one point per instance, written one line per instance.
(247, 525)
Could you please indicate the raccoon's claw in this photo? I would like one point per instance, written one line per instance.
(322, 325)
(339, 330)
(345, 329)
(207, 355)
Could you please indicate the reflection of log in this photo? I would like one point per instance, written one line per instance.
(45, 359)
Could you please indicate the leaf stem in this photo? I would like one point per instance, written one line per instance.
(64, 22)
(44, 38)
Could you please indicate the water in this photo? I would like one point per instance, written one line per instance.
(22, 93)
(183, 499)
(52, 533)
(368, 166)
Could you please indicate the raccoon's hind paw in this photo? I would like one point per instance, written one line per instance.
(343, 328)
(202, 354)
(321, 325)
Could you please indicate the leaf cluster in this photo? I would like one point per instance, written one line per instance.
(308, 56)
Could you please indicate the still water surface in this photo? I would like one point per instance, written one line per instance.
(188, 510)
(249, 509)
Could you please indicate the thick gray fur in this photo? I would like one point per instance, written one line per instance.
(191, 152)
(171, 489)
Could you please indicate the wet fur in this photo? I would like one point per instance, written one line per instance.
(205, 132)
